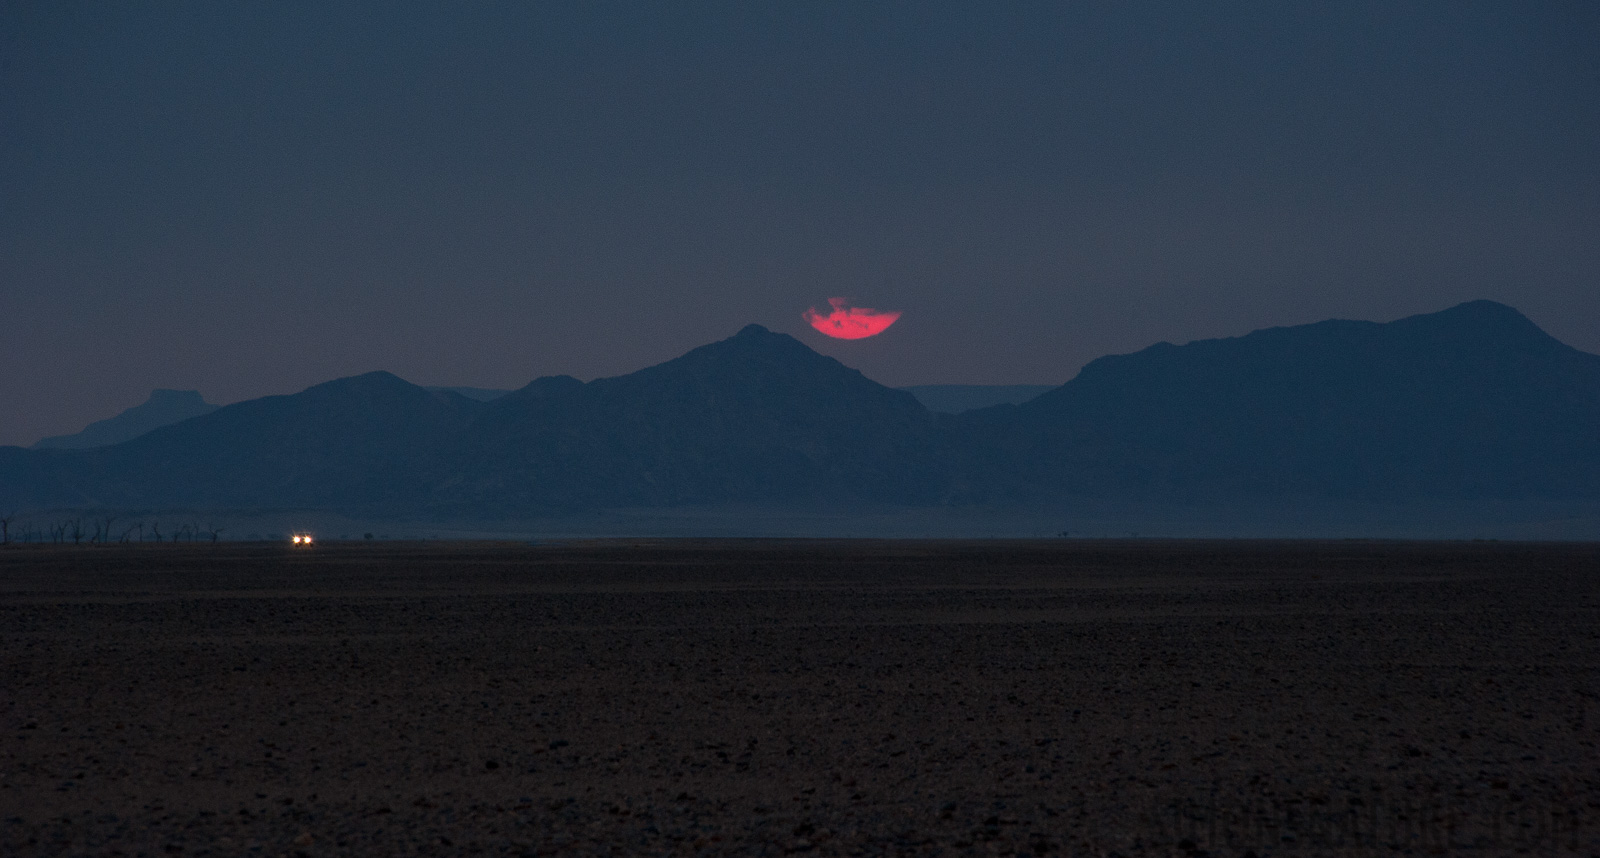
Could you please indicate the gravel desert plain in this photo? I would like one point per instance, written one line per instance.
(784, 697)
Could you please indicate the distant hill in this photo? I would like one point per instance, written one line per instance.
(758, 417)
(163, 408)
(956, 398)
(1463, 409)
(1475, 402)
(370, 441)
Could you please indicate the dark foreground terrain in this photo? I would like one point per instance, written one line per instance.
(770, 697)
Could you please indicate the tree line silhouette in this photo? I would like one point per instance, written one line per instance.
(102, 530)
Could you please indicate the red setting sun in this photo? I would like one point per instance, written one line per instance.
(845, 322)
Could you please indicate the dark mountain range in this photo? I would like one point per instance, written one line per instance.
(1471, 403)
(755, 418)
(758, 417)
(349, 443)
(163, 408)
(1475, 402)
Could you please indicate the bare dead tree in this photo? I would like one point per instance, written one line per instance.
(128, 531)
(155, 530)
(107, 521)
(213, 531)
(77, 530)
(5, 527)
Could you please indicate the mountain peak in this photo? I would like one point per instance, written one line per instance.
(1483, 305)
(377, 380)
(1477, 313)
(753, 343)
(1487, 323)
(164, 407)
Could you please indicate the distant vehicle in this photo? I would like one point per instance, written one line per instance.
(301, 539)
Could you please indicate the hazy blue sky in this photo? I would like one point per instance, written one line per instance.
(252, 198)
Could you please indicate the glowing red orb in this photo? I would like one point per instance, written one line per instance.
(851, 323)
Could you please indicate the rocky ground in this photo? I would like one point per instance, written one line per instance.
(1072, 697)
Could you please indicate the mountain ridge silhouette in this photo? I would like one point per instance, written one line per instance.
(163, 408)
(1473, 402)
